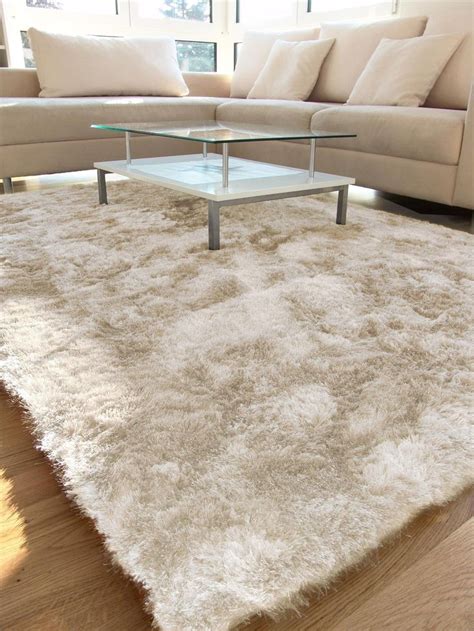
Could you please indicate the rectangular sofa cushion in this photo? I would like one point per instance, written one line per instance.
(284, 114)
(80, 65)
(254, 52)
(414, 133)
(355, 44)
(291, 70)
(403, 71)
(39, 120)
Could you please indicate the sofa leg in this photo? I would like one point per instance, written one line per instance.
(7, 185)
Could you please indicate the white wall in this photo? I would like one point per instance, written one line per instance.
(445, 15)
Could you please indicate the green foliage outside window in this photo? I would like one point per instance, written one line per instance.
(187, 9)
(44, 4)
(196, 56)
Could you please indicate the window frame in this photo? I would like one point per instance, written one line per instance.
(176, 27)
(377, 10)
(236, 45)
(116, 2)
(288, 22)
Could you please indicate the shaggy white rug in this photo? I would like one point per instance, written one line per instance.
(242, 424)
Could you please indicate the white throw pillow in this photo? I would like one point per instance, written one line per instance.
(254, 52)
(355, 43)
(79, 65)
(291, 70)
(403, 71)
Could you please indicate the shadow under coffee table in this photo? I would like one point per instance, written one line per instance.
(224, 180)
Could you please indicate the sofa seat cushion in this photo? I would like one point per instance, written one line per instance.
(33, 120)
(295, 115)
(431, 135)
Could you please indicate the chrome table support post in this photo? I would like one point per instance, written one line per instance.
(102, 186)
(342, 205)
(7, 185)
(213, 225)
(312, 157)
(204, 149)
(127, 145)
(225, 165)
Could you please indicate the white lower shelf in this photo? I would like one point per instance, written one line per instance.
(202, 177)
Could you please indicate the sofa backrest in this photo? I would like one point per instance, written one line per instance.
(23, 83)
(19, 83)
(354, 45)
(353, 49)
(452, 89)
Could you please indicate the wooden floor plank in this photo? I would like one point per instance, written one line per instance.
(436, 593)
(63, 580)
(379, 569)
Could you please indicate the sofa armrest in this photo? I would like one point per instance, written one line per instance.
(19, 82)
(208, 83)
(464, 188)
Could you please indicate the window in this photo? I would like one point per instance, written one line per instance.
(197, 56)
(207, 32)
(105, 7)
(199, 10)
(27, 52)
(237, 46)
(263, 10)
(336, 5)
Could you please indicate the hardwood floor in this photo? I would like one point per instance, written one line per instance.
(438, 589)
(56, 576)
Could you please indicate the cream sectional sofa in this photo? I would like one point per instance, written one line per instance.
(424, 152)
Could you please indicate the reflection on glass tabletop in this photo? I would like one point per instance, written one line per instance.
(218, 132)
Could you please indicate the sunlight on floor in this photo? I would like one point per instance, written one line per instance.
(13, 544)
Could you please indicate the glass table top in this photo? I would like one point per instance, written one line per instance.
(215, 132)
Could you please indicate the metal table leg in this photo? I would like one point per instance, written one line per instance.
(127, 148)
(204, 149)
(102, 186)
(225, 165)
(312, 157)
(7, 185)
(342, 205)
(213, 225)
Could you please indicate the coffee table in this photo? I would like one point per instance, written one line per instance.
(224, 180)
